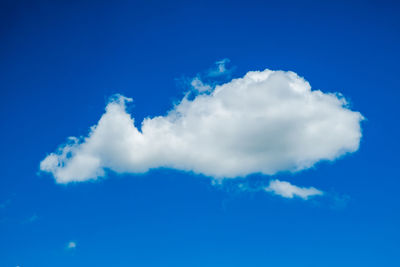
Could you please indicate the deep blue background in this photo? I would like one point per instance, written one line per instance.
(60, 61)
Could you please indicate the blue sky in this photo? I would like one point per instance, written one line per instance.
(60, 64)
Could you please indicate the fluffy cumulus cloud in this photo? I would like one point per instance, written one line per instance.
(287, 190)
(265, 122)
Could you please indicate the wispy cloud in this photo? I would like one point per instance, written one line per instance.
(220, 68)
(265, 122)
(207, 81)
(71, 245)
(199, 86)
(32, 218)
(287, 190)
(275, 187)
(5, 203)
(339, 201)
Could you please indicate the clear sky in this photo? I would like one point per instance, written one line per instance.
(163, 201)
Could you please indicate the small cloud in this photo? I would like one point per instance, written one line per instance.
(287, 190)
(198, 85)
(71, 245)
(220, 69)
(208, 80)
(5, 203)
(33, 218)
(279, 188)
(340, 202)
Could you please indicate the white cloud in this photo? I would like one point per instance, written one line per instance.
(71, 245)
(266, 122)
(198, 85)
(287, 190)
(220, 68)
